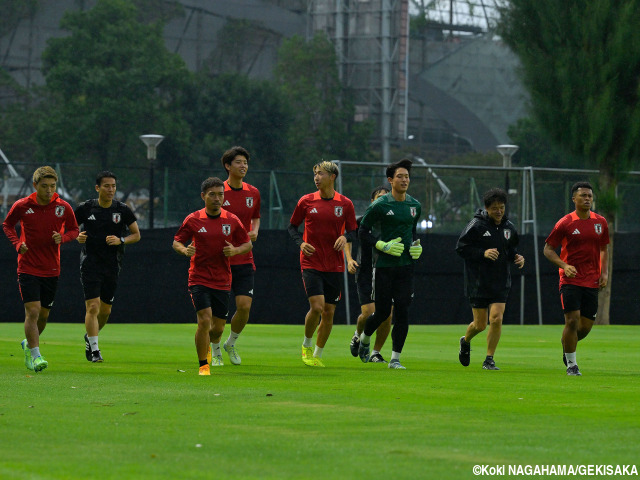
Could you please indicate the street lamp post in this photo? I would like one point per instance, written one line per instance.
(151, 141)
(507, 151)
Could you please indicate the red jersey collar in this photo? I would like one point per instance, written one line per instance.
(336, 196)
(244, 186)
(574, 215)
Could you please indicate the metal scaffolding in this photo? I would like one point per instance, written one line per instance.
(372, 44)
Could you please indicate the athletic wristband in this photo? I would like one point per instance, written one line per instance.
(122, 240)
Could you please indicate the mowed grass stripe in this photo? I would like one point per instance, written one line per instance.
(138, 416)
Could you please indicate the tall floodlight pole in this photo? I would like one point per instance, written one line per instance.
(151, 141)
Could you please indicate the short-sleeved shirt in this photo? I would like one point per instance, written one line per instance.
(580, 243)
(324, 221)
(37, 224)
(244, 203)
(99, 223)
(209, 266)
(393, 219)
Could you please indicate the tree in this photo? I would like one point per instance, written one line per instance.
(323, 111)
(108, 82)
(232, 109)
(581, 65)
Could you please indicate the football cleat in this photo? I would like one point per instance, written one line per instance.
(28, 361)
(96, 357)
(234, 358)
(396, 364)
(489, 364)
(573, 370)
(87, 348)
(204, 370)
(39, 364)
(355, 343)
(317, 362)
(307, 356)
(217, 361)
(363, 352)
(465, 352)
(377, 358)
(209, 354)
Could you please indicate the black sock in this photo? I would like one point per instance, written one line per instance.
(203, 362)
(489, 357)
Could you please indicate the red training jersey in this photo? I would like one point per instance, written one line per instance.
(37, 224)
(324, 221)
(244, 203)
(209, 267)
(580, 242)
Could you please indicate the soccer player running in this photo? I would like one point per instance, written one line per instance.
(107, 226)
(363, 269)
(396, 216)
(213, 236)
(488, 246)
(243, 200)
(329, 223)
(46, 221)
(583, 265)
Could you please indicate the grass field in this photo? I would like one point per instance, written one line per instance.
(146, 414)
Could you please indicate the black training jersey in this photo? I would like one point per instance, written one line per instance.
(99, 223)
(486, 278)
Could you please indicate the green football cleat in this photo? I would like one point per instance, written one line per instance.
(28, 361)
(39, 364)
(317, 362)
(234, 358)
(307, 356)
(217, 361)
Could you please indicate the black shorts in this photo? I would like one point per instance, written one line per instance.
(584, 299)
(364, 284)
(242, 279)
(99, 283)
(328, 284)
(477, 302)
(204, 297)
(37, 289)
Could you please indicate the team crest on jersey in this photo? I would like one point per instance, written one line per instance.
(116, 217)
(507, 234)
(598, 227)
(226, 229)
(413, 211)
(60, 211)
(338, 211)
(249, 201)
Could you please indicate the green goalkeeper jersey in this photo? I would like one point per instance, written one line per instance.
(393, 219)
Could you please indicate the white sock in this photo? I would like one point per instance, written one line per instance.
(35, 352)
(356, 333)
(93, 341)
(231, 341)
(395, 355)
(571, 359)
(307, 342)
(374, 352)
(365, 339)
(215, 349)
(318, 352)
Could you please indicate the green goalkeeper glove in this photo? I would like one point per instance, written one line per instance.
(393, 247)
(415, 250)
